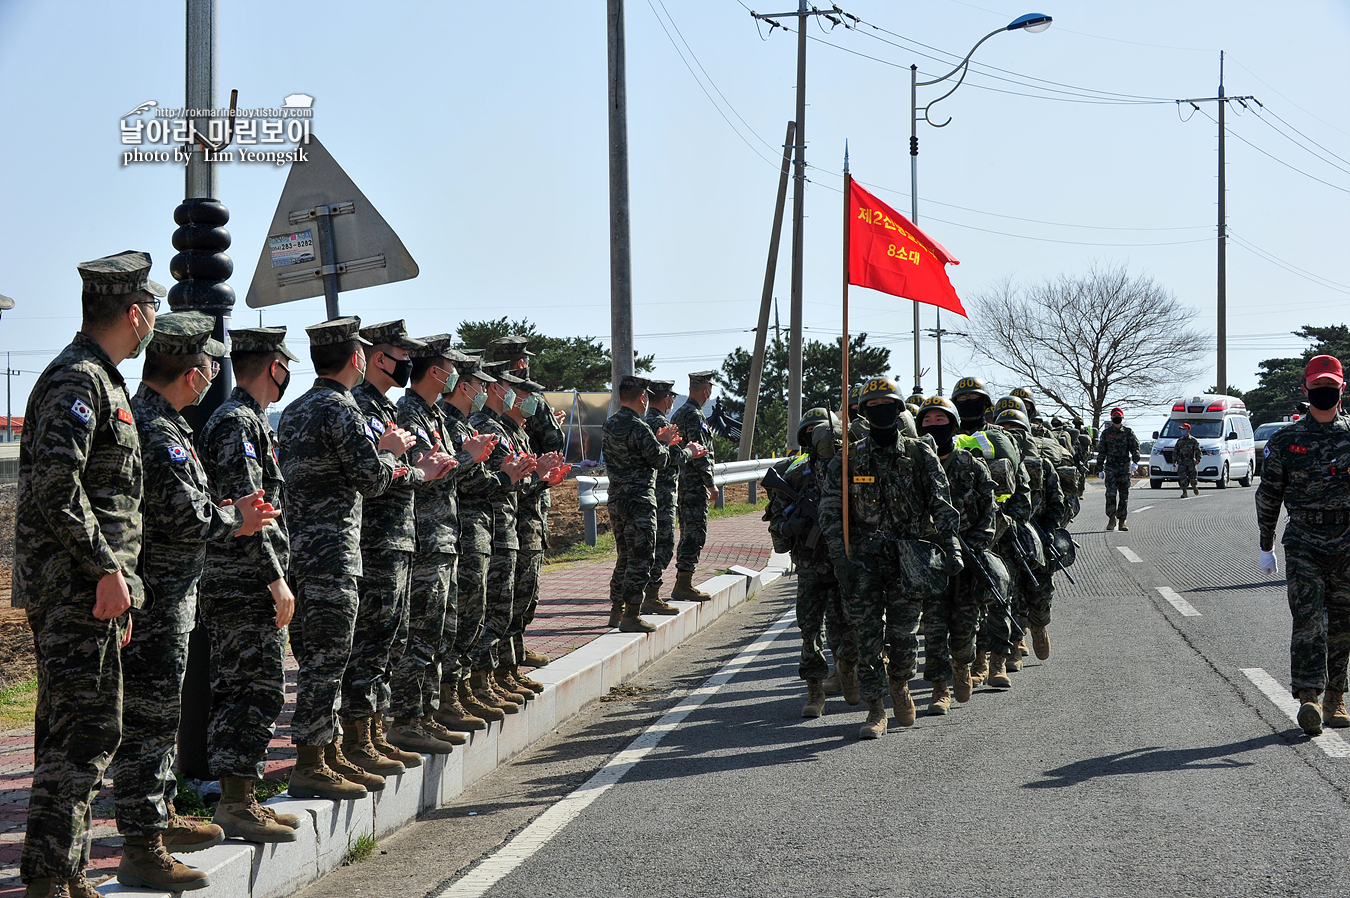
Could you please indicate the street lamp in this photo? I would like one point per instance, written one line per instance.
(1032, 22)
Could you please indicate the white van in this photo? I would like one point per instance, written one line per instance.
(1221, 425)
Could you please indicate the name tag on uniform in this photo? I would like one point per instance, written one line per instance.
(124, 415)
(178, 453)
(1300, 450)
(249, 450)
(864, 480)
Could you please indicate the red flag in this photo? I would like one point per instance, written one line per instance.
(888, 253)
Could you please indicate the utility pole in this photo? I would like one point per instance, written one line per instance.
(620, 244)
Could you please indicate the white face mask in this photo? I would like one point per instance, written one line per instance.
(451, 379)
(529, 405)
(508, 400)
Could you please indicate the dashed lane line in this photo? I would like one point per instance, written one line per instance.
(1129, 554)
(1145, 508)
(1176, 601)
(1330, 742)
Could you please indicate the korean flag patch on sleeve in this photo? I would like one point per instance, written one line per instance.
(376, 425)
(81, 412)
(249, 450)
(178, 453)
(370, 433)
(422, 434)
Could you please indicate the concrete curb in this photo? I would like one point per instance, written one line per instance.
(243, 870)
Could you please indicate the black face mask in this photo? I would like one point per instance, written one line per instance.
(941, 434)
(281, 387)
(970, 411)
(402, 371)
(882, 417)
(1117, 421)
(1324, 398)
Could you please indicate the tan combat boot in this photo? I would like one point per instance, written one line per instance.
(998, 672)
(185, 835)
(876, 719)
(652, 603)
(685, 590)
(360, 751)
(480, 684)
(533, 659)
(514, 691)
(1333, 709)
(241, 817)
(1122, 525)
(831, 684)
(941, 701)
(444, 734)
(409, 759)
(615, 613)
(147, 864)
(408, 733)
(1110, 523)
(313, 778)
(1196, 489)
(1040, 642)
(902, 703)
(533, 685)
(815, 698)
(469, 702)
(961, 682)
(453, 715)
(333, 757)
(979, 669)
(282, 817)
(1309, 714)
(631, 623)
(848, 682)
(1011, 663)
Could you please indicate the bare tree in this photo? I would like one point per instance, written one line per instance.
(1089, 342)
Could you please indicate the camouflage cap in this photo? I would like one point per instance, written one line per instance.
(507, 377)
(390, 333)
(510, 348)
(660, 388)
(700, 378)
(119, 274)
(633, 382)
(437, 346)
(185, 333)
(472, 366)
(339, 330)
(260, 339)
(496, 367)
(532, 387)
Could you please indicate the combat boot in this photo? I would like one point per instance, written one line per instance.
(1040, 641)
(533, 685)
(79, 886)
(241, 817)
(1333, 709)
(1011, 663)
(1110, 523)
(285, 819)
(408, 733)
(685, 590)
(1123, 525)
(453, 715)
(358, 749)
(631, 623)
(831, 684)
(185, 835)
(876, 719)
(615, 613)
(480, 684)
(815, 698)
(848, 682)
(961, 682)
(514, 691)
(941, 701)
(1196, 489)
(998, 672)
(1309, 714)
(479, 710)
(313, 778)
(147, 864)
(430, 726)
(409, 759)
(332, 756)
(652, 603)
(902, 703)
(533, 659)
(979, 669)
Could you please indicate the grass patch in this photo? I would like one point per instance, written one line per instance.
(17, 704)
(360, 850)
(604, 547)
(270, 788)
(187, 802)
(734, 509)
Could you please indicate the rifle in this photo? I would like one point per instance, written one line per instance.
(1020, 552)
(1053, 554)
(978, 560)
(800, 504)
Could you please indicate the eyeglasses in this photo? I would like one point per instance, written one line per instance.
(213, 368)
(154, 303)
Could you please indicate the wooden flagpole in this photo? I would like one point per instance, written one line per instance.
(848, 183)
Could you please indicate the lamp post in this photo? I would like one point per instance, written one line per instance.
(1032, 22)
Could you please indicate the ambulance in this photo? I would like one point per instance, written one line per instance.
(1224, 431)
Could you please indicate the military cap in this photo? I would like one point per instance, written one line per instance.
(260, 339)
(390, 333)
(1324, 366)
(659, 388)
(496, 366)
(510, 348)
(125, 272)
(473, 367)
(531, 386)
(185, 333)
(339, 330)
(508, 378)
(633, 382)
(699, 378)
(437, 346)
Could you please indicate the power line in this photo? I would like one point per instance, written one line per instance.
(1289, 266)
(1276, 158)
(1319, 157)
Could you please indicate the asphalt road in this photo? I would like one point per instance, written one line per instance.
(1152, 754)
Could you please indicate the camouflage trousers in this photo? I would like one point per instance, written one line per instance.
(416, 681)
(248, 679)
(951, 621)
(1031, 600)
(529, 566)
(471, 585)
(693, 515)
(885, 615)
(634, 527)
(381, 631)
(1117, 492)
(153, 664)
(1186, 476)
(493, 649)
(321, 638)
(76, 728)
(1319, 600)
(820, 616)
(994, 633)
(664, 549)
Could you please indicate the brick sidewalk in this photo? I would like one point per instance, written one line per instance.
(573, 610)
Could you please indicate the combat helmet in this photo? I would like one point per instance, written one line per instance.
(1010, 411)
(878, 388)
(1011, 402)
(940, 402)
(1029, 404)
(971, 389)
(853, 395)
(811, 419)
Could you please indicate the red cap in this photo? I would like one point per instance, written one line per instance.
(1324, 366)
(1117, 411)
(1185, 427)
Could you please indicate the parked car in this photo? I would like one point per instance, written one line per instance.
(1262, 434)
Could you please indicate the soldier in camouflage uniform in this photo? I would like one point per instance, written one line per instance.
(332, 460)
(633, 455)
(1307, 471)
(696, 487)
(1188, 453)
(180, 518)
(77, 536)
(1116, 451)
(902, 525)
(244, 599)
(661, 399)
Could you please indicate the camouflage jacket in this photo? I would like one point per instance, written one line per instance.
(1117, 447)
(972, 494)
(667, 478)
(437, 503)
(80, 479)
(1307, 470)
(788, 528)
(1188, 451)
(180, 515)
(1047, 505)
(633, 455)
(332, 463)
(695, 473)
(239, 453)
(472, 488)
(531, 516)
(546, 435)
(503, 500)
(388, 521)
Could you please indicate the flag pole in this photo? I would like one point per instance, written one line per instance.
(848, 183)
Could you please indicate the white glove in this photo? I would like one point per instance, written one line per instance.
(1101, 475)
(1268, 564)
(1134, 467)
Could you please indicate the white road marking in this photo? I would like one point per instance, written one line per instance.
(1330, 741)
(1129, 554)
(535, 836)
(1145, 508)
(1177, 602)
